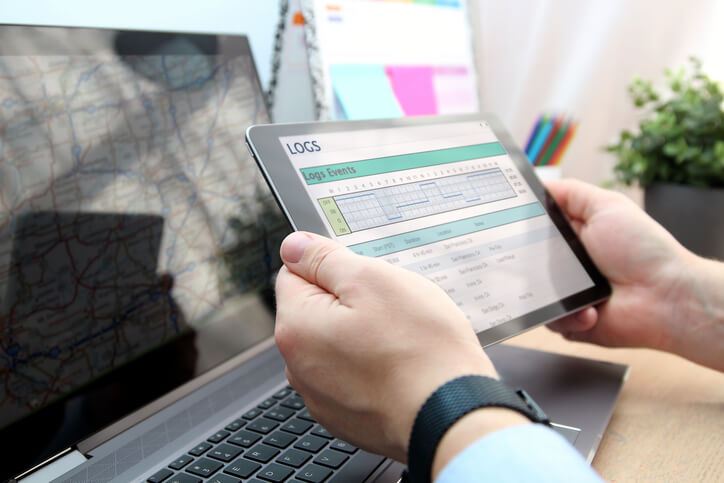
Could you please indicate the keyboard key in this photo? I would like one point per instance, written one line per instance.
(294, 403)
(322, 432)
(200, 449)
(262, 425)
(279, 439)
(294, 457)
(183, 478)
(276, 473)
(159, 476)
(314, 473)
(251, 413)
(340, 445)
(282, 393)
(218, 436)
(331, 458)
(180, 462)
(235, 425)
(204, 467)
(267, 403)
(224, 452)
(305, 415)
(222, 478)
(244, 438)
(242, 468)
(261, 453)
(279, 414)
(311, 443)
(296, 426)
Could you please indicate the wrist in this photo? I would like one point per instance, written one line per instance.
(469, 429)
(416, 392)
(453, 404)
(698, 324)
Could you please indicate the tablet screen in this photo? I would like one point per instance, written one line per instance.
(446, 200)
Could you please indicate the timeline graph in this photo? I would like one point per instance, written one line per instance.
(392, 204)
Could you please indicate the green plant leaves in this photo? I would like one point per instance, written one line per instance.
(681, 134)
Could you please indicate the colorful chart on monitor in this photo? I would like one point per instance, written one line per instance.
(394, 58)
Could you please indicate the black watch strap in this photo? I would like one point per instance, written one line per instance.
(452, 401)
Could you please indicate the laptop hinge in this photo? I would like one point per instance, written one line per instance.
(53, 467)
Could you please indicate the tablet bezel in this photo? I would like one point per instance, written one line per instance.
(265, 147)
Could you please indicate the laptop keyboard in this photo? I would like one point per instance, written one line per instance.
(277, 441)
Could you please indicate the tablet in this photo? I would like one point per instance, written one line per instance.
(452, 198)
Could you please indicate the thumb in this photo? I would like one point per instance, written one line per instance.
(318, 260)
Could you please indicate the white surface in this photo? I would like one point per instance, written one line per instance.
(546, 173)
(56, 468)
(255, 18)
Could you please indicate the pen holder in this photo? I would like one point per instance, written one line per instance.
(546, 173)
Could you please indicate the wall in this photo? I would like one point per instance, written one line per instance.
(533, 55)
(579, 57)
(255, 18)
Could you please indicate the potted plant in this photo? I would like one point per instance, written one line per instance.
(677, 156)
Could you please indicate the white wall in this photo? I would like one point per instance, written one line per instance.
(579, 56)
(255, 18)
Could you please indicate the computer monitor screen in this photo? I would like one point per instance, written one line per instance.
(137, 240)
(392, 58)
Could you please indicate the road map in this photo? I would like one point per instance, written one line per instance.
(129, 211)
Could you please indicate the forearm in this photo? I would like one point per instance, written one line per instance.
(699, 324)
(471, 428)
(526, 452)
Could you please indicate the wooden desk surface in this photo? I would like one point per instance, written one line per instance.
(668, 424)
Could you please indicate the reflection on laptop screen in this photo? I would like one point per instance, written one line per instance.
(130, 216)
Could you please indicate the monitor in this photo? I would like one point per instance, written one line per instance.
(138, 243)
(391, 58)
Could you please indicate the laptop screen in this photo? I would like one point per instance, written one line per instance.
(137, 241)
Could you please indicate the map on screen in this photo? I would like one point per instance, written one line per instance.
(129, 210)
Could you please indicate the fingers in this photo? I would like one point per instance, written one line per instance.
(297, 302)
(576, 198)
(318, 260)
(291, 289)
(574, 325)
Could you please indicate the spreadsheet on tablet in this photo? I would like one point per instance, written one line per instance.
(446, 201)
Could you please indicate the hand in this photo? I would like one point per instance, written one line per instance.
(367, 342)
(655, 301)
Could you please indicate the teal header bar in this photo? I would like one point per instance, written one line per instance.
(368, 167)
(425, 236)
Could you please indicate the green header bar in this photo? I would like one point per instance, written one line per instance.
(368, 167)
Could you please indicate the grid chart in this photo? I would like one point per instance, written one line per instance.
(383, 206)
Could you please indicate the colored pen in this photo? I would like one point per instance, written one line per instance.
(553, 145)
(557, 122)
(540, 138)
(563, 146)
(533, 133)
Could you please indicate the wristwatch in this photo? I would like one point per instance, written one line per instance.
(448, 404)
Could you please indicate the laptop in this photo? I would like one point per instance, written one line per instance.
(138, 246)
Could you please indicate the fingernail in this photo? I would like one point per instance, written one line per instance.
(293, 247)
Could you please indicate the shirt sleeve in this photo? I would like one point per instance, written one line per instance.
(530, 452)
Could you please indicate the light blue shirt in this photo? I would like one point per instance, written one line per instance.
(529, 452)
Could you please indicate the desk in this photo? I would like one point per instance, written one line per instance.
(668, 424)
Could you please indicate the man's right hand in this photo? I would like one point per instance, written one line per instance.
(664, 297)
